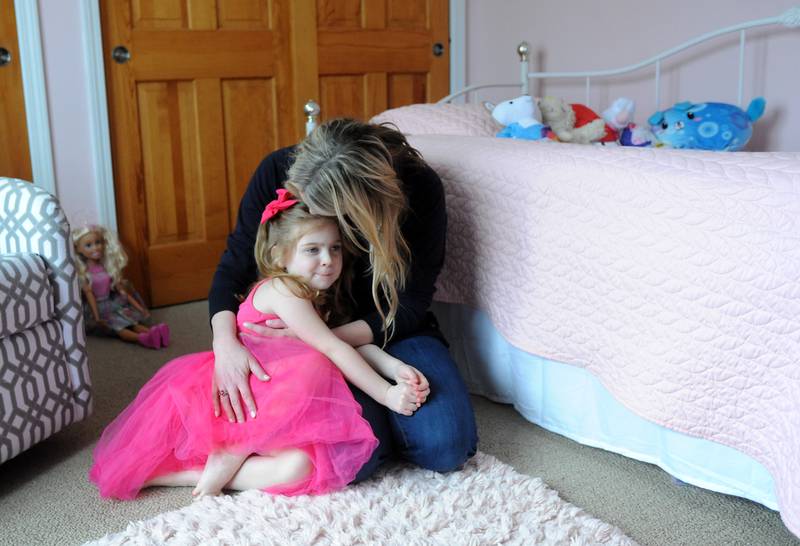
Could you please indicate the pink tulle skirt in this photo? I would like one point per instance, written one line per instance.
(170, 426)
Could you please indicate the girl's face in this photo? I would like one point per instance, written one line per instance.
(317, 256)
(91, 246)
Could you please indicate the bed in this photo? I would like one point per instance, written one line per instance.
(641, 300)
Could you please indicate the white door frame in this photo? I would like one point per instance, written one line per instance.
(34, 92)
(98, 113)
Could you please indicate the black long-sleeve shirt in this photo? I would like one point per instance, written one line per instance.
(423, 227)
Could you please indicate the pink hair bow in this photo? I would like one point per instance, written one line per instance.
(283, 202)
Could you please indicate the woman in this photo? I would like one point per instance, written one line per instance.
(390, 204)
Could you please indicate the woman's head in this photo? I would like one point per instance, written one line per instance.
(305, 250)
(96, 244)
(347, 169)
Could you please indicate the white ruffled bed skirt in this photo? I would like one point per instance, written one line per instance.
(571, 401)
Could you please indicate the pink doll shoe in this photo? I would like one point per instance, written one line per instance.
(163, 333)
(150, 339)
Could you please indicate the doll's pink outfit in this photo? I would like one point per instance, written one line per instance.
(170, 426)
(113, 307)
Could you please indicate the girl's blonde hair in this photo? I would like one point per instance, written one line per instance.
(348, 169)
(114, 257)
(275, 242)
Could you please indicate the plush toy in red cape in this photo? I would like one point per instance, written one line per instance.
(563, 120)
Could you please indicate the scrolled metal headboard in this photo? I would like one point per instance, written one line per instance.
(790, 18)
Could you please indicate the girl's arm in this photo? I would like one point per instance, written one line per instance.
(393, 368)
(299, 315)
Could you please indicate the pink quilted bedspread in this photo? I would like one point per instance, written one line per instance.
(673, 276)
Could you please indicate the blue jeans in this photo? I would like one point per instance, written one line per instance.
(441, 435)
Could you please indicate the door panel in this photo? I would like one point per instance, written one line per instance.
(379, 54)
(15, 160)
(343, 96)
(193, 112)
(406, 89)
(256, 123)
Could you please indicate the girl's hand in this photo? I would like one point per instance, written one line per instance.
(402, 398)
(403, 373)
(230, 384)
(269, 328)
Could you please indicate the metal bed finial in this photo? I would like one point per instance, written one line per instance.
(311, 110)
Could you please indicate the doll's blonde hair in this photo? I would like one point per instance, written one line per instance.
(114, 257)
(275, 243)
(348, 169)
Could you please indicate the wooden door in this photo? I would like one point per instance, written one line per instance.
(203, 97)
(379, 54)
(15, 159)
(211, 86)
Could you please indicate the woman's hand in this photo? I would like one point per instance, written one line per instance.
(230, 384)
(403, 373)
(269, 328)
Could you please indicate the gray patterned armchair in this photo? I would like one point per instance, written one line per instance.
(44, 374)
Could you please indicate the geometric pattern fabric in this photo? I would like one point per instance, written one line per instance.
(44, 372)
(26, 295)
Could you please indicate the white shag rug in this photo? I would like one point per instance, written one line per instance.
(485, 503)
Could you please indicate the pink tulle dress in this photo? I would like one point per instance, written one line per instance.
(170, 426)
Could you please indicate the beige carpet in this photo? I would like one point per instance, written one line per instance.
(46, 498)
(485, 503)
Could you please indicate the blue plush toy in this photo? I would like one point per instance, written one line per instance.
(706, 126)
(520, 117)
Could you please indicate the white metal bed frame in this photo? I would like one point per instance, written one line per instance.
(790, 18)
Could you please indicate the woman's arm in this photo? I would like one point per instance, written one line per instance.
(355, 333)
(233, 364)
(235, 271)
(301, 317)
(237, 266)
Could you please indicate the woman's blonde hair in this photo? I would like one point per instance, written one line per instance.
(348, 169)
(275, 242)
(114, 257)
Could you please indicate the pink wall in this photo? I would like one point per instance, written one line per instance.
(589, 35)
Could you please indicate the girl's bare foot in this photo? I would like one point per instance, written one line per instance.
(220, 468)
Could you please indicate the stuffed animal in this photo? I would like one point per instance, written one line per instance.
(638, 135)
(707, 125)
(520, 117)
(563, 121)
(620, 114)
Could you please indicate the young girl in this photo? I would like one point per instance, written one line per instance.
(309, 436)
(110, 307)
